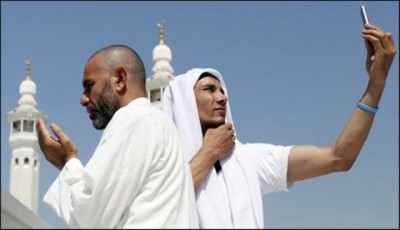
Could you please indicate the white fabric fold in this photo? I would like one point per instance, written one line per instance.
(180, 105)
(137, 177)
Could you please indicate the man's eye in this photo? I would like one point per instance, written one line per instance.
(211, 89)
(88, 88)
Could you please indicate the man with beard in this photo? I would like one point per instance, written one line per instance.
(138, 176)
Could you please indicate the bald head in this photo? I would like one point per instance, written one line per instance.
(113, 77)
(113, 56)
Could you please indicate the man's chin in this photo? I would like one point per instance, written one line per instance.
(217, 124)
(98, 125)
(98, 128)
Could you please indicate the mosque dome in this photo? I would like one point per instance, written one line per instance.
(162, 51)
(27, 87)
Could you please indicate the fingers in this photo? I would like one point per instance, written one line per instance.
(380, 46)
(41, 130)
(374, 37)
(390, 37)
(44, 136)
(43, 133)
(230, 131)
(389, 43)
(59, 133)
(378, 38)
(65, 141)
(370, 49)
(226, 126)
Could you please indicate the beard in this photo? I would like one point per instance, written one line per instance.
(215, 124)
(211, 124)
(107, 106)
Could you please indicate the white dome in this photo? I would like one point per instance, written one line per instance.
(27, 99)
(162, 52)
(162, 66)
(27, 87)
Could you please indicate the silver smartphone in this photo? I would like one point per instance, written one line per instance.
(364, 15)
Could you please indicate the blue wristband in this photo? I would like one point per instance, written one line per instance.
(367, 108)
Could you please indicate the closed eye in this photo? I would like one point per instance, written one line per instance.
(87, 86)
(211, 88)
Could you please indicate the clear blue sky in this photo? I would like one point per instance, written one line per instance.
(294, 70)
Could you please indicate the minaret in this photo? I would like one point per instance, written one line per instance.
(23, 143)
(162, 71)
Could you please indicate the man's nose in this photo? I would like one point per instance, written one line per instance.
(222, 98)
(84, 100)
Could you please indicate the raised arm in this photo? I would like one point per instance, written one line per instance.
(311, 161)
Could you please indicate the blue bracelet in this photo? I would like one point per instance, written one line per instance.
(367, 108)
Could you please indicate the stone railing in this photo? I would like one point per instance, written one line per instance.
(15, 215)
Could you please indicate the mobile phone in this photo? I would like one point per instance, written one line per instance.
(364, 16)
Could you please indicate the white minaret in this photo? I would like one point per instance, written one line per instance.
(23, 143)
(162, 71)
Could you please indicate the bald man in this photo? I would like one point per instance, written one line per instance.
(138, 176)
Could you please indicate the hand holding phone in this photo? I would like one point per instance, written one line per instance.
(364, 15)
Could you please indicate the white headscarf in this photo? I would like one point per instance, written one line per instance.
(180, 105)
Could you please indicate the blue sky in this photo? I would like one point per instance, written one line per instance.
(294, 70)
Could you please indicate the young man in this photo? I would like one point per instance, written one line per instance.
(231, 178)
(138, 176)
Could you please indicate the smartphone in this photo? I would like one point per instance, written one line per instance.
(364, 15)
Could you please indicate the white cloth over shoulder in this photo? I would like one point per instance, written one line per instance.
(138, 177)
(250, 172)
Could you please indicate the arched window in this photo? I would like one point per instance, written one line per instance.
(26, 161)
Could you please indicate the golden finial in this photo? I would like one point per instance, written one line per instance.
(28, 69)
(161, 27)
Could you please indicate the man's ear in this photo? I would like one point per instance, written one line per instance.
(121, 79)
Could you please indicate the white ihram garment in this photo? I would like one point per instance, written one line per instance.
(138, 177)
(233, 199)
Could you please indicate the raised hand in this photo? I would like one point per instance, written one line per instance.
(56, 151)
(219, 141)
(380, 51)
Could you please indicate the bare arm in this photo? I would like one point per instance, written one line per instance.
(217, 143)
(311, 161)
(57, 152)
